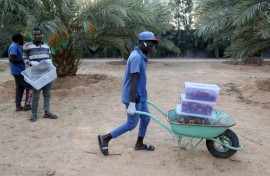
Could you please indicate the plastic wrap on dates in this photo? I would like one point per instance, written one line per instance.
(202, 95)
(197, 108)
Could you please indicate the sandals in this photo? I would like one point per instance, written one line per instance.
(19, 108)
(50, 115)
(103, 147)
(146, 147)
(27, 107)
(105, 150)
(33, 118)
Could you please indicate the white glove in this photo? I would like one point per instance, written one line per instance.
(131, 108)
(49, 61)
(34, 63)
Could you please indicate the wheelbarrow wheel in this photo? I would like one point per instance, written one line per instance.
(228, 138)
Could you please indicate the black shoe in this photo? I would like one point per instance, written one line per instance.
(49, 115)
(33, 118)
(19, 108)
(27, 108)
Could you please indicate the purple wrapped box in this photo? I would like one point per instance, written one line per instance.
(201, 92)
(196, 107)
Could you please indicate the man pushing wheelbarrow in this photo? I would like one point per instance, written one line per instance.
(134, 95)
(193, 118)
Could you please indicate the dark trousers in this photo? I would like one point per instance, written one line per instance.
(22, 85)
(46, 91)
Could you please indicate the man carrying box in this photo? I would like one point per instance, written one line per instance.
(33, 53)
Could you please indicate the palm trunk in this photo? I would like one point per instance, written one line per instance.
(66, 64)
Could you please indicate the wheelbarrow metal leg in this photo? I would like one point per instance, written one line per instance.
(179, 145)
(190, 140)
(192, 147)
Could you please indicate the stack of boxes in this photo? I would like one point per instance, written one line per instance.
(199, 99)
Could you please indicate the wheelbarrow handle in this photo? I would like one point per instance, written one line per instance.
(154, 118)
(158, 108)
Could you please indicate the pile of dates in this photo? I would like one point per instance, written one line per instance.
(192, 120)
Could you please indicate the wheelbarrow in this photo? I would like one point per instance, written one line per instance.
(221, 142)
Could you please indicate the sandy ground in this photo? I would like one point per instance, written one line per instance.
(89, 104)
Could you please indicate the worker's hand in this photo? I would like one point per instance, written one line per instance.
(49, 61)
(34, 63)
(131, 108)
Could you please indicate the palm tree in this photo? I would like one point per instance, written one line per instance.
(241, 26)
(252, 30)
(96, 24)
(13, 19)
(162, 16)
(214, 23)
(74, 27)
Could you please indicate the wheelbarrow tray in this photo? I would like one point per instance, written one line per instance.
(222, 122)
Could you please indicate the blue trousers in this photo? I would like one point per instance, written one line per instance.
(46, 90)
(132, 121)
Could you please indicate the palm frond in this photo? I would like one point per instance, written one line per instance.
(245, 21)
(243, 49)
(247, 12)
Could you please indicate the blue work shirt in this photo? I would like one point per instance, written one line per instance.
(136, 63)
(16, 67)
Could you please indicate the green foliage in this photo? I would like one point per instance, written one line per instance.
(242, 26)
(74, 27)
(12, 20)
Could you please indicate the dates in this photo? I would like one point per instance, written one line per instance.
(192, 120)
(197, 108)
(202, 95)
